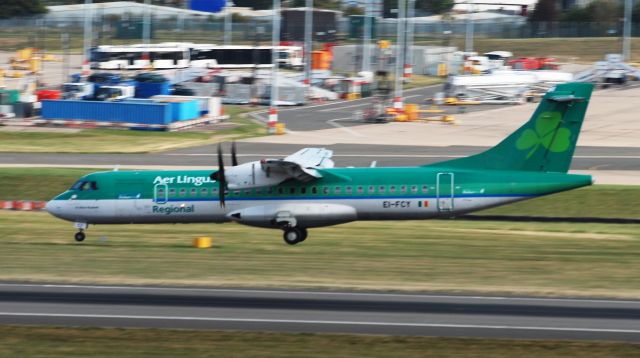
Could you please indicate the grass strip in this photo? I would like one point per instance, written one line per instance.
(552, 259)
(25, 341)
(127, 141)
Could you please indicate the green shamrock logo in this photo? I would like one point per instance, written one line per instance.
(543, 135)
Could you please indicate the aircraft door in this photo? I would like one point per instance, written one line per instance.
(444, 191)
(160, 193)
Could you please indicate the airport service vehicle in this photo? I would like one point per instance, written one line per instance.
(77, 90)
(113, 93)
(305, 190)
(498, 59)
(139, 57)
(534, 63)
(290, 57)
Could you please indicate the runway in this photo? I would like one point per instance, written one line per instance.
(307, 311)
(586, 158)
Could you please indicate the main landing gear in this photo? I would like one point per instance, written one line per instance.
(294, 235)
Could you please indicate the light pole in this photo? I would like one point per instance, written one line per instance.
(88, 36)
(366, 37)
(469, 35)
(146, 25)
(228, 23)
(626, 39)
(397, 99)
(308, 41)
(275, 41)
(408, 63)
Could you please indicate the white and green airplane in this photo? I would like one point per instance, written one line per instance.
(304, 190)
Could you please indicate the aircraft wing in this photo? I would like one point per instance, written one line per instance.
(302, 164)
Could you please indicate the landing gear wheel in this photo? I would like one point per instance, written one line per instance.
(79, 236)
(293, 235)
(304, 233)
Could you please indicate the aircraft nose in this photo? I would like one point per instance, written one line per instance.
(53, 207)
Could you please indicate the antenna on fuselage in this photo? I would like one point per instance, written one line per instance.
(373, 164)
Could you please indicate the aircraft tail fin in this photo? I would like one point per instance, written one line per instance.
(546, 142)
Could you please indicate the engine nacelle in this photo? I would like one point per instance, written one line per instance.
(302, 215)
(251, 175)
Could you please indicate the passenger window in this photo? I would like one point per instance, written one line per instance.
(172, 192)
(372, 189)
(292, 190)
(425, 189)
(236, 192)
(183, 192)
(360, 190)
(194, 191)
(214, 191)
(204, 191)
(303, 190)
(325, 190)
(314, 190)
(348, 190)
(94, 185)
(247, 192)
(403, 189)
(381, 189)
(269, 190)
(392, 189)
(280, 190)
(337, 189)
(414, 189)
(160, 192)
(258, 191)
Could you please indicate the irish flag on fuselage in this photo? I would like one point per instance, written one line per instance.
(546, 142)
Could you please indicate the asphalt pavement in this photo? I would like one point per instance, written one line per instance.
(347, 113)
(308, 311)
(358, 155)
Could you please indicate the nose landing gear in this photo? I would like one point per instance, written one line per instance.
(294, 235)
(79, 236)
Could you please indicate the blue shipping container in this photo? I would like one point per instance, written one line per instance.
(141, 113)
(150, 89)
(184, 110)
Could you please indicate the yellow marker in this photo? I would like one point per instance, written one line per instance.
(202, 242)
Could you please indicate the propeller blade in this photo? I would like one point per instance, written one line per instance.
(220, 177)
(234, 157)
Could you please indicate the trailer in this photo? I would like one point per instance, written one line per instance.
(503, 86)
(613, 70)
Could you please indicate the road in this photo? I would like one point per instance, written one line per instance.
(323, 116)
(306, 311)
(586, 158)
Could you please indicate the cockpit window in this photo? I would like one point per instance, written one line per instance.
(84, 185)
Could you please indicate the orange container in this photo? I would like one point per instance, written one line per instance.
(320, 60)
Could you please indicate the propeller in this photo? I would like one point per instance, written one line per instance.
(219, 176)
(234, 157)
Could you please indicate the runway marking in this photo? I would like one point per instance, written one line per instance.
(346, 129)
(319, 293)
(300, 321)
